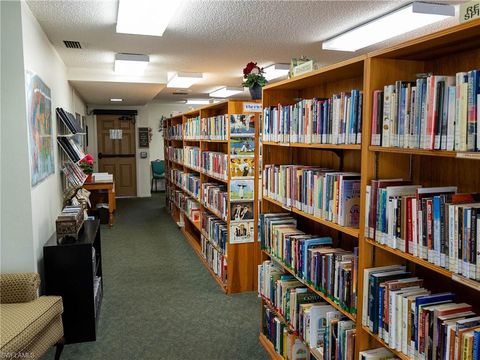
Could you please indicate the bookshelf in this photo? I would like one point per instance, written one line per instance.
(200, 134)
(445, 52)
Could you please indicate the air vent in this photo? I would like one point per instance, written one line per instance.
(72, 44)
(180, 93)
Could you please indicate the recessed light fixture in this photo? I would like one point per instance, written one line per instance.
(198, 102)
(145, 17)
(226, 91)
(130, 64)
(403, 20)
(116, 100)
(183, 80)
(276, 71)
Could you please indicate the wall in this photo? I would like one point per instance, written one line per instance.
(148, 116)
(44, 201)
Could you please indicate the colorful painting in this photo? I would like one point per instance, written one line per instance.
(241, 190)
(241, 211)
(240, 167)
(242, 147)
(242, 125)
(40, 139)
(241, 232)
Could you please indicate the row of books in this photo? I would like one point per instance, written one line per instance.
(432, 223)
(192, 184)
(69, 120)
(177, 177)
(409, 318)
(175, 132)
(331, 271)
(324, 331)
(336, 120)
(74, 174)
(191, 128)
(215, 164)
(215, 197)
(175, 154)
(191, 207)
(215, 259)
(324, 193)
(73, 151)
(215, 230)
(438, 112)
(214, 128)
(191, 156)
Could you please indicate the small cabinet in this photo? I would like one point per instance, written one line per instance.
(73, 270)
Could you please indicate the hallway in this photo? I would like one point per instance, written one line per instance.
(160, 302)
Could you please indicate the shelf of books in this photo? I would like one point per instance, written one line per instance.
(211, 156)
(420, 178)
(309, 226)
(370, 228)
(70, 140)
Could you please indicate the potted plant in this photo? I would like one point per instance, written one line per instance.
(86, 164)
(254, 80)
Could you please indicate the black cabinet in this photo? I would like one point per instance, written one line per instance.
(73, 270)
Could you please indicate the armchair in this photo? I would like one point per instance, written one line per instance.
(29, 325)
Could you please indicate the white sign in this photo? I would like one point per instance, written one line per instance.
(252, 107)
(469, 11)
(116, 134)
(303, 68)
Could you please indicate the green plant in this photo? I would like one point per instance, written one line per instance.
(253, 75)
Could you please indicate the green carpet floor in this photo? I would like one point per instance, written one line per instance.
(159, 301)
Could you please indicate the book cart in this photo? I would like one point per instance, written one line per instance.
(446, 52)
(231, 261)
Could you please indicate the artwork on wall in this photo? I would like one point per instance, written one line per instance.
(40, 132)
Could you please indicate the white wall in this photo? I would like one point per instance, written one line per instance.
(148, 116)
(42, 203)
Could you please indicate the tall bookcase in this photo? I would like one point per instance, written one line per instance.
(446, 52)
(240, 258)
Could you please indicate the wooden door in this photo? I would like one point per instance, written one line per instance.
(116, 153)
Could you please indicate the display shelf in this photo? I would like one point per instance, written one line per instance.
(400, 355)
(322, 295)
(268, 346)
(214, 212)
(346, 230)
(225, 181)
(315, 146)
(423, 152)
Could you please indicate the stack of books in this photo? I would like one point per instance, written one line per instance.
(324, 193)
(191, 129)
(192, 185)
(215, 231)
(191, 208)
(215, 198)
(215, 164)
(435, 112)
(175, 154)
(432, 223)
(216, 260)
(177, 177)
(102, 177)
(191, 156)
(175, 132)
(215, 128)
(336, 120)
(412, 320)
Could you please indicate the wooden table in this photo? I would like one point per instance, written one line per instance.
(110, 187)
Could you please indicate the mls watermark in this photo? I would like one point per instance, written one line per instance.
(16, 355)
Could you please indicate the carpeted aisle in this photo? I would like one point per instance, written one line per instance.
(160, 302)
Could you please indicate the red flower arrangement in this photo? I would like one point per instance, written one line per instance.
(252, 75)
(87, 164)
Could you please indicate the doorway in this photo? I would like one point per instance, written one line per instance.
(116, 151)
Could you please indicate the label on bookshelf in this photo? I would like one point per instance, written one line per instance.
(468, 155)
(252, 107)
(469, 11)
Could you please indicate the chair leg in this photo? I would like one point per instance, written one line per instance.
(151, 185)
(59, 345)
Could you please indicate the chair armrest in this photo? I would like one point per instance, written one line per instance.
(18, 287)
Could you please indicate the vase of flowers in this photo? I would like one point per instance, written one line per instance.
(253, 79)
(86, 164)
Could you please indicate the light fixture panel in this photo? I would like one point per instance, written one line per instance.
(411, 17)
(145, 17)
(131, 64)
(116, 100)
(276, 71)
(226, 91)
(198, 102)
(184, 80)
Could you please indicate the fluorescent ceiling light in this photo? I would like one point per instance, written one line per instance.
(145, 17)
(198, 102)
(403, 20)
(226, 91)
(184, 80)
(116, 100)
(131, 64)
(276, 71)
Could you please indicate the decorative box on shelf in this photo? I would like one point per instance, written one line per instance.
(70, 221)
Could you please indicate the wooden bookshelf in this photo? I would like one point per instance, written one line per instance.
(241, 264)
(445, 52)
(268, 346)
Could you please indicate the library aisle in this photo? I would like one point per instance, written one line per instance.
(159, 301)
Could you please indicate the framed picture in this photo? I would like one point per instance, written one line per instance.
(241, 211)
(242, 147)
(241, 167)
(241, 232)
(241, 189)
(242, 125)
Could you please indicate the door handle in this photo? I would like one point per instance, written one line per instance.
(100, 155)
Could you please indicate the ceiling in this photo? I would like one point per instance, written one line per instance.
(216, 38)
